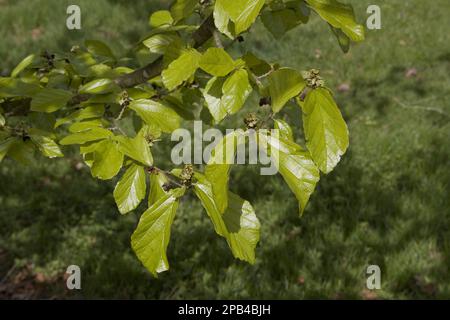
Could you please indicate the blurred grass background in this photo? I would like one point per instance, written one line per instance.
(387, 203)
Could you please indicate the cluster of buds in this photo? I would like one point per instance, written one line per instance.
(124, 99)
(150, 139)
(187, 174)
(313, 79)
(251, 121)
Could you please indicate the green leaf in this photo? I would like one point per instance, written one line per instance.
(50, 100)
(22, 151)
(238, 225)
(12, 87)
(86, 125)
(99, 48)
(156, 113)
(325, 130)
(5, 145)
(284, 129)
(159, 43)
(160, 18)
(157, 180)
(340, 16)
(46, 145)
(213, 97)
(218, 168)
(25, 63)
(294, 164)
(93, 134)
(136, 148)
(182, 9)
(222, 18)
(256, 65)
(236, 90)
(181, 69)
(131, 189)
(2, 120)
(242, 12)
(98, 86)
(152, 235)
(279, 22)
(217, 62)
(107, 160)
(89, 112)
(284, 84)
(344, 41)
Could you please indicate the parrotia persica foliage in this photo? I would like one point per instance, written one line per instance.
(83, 97)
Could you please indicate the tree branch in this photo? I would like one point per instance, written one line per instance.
(201, 35)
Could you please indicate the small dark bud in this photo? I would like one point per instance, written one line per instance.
(240, 39)
(265, 101)
(167, 187)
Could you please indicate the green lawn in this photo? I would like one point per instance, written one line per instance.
(387, 202)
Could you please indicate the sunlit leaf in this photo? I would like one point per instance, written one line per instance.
(131, 188)
(107, 160)
(238, 224)
(284, 84)
(325, 130)
(217, 62)
(294, 164)
(152, 235)
(156, 113)
(181, 69)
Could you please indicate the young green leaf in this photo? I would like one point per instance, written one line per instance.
(46, 145)
(5, 145)
(181, 69)
(157, 181)
(284, 84)
(222, 18)
(107, 160)
(285, 130)
(98, 86)
(325, 130)
(25, 63)
(159, 42)
(218, 168)
(242, 12)
(155, 113)
(137, 148)
(99, 48)
(22, 151)
(236, 90)
(294, 164)
(280, 21)
(213, 97)
(86, 125)
(160, 18)
(238, 224)
(93, 134)
(343, 39)
(12, 87)
(152, 235)
(217, 62)
(89, 112)
(182, 9)
(131, 188)
(50, 100)
(340, 16)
